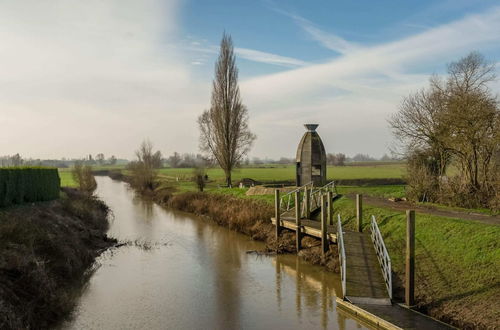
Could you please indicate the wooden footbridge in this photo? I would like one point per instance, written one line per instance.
(364, 260)
(365, 263)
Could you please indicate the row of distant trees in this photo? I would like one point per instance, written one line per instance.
(99, 159)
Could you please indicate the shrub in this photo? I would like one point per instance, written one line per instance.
(82, 174)
(28, 184)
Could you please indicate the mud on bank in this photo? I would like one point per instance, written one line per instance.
(46, 251)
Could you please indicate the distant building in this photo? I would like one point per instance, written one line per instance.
(311, 158)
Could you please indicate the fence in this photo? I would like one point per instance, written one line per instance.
(382, 255)
(341, 247)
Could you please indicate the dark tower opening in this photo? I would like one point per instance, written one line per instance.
(311, 158)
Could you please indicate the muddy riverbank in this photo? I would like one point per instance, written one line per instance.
(46, 252)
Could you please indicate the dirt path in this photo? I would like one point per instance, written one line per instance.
(402, 206)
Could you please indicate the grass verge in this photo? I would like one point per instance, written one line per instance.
(457, 263)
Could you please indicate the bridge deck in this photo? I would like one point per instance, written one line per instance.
(364, 280)
(365, 283)
(309, 227)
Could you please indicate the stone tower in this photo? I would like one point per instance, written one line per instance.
(311, 158)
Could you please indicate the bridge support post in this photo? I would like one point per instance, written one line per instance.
(307, 198)
(359, 212)
(277, 214)
(298, 238)
(330, 208)
(410, 258)
(324, 227)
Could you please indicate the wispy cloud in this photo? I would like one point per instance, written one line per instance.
(326, 39)
(372, 82)
(269, 58)
(248, 54)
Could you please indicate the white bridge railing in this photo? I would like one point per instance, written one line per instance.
(341, 247)
(287, 201)
(315, 200)
(382, 255)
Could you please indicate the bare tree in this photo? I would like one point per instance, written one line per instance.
(174, 160)
(456, 119)
(156, 160)
(474, 137)
(143, 169)
(82, 174)
(100, 158)
(112, 160)
(224, 131)
(199, 177)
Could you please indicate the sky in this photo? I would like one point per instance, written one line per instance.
(94, 76)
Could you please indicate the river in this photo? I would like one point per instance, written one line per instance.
(181, 272)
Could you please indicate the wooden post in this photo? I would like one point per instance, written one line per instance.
(324, 227)
(298, 237)
(330, 208)
(307, 193)
(359, 212)
(277, 214)
(410, 258)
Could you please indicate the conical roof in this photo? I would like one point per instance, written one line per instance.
(311, 148)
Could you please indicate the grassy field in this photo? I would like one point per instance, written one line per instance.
(66, 179)
(287, 172)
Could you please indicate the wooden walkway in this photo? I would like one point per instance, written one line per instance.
(365, 264)
(364, 280)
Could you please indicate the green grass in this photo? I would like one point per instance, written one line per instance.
(287, 172)
(457, 261)
(66, 178)
(385, 191)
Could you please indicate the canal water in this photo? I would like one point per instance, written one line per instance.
(181, 272)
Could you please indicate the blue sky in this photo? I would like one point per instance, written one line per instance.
(100, 76)
(275, 26)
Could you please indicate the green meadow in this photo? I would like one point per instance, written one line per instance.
(287, 172)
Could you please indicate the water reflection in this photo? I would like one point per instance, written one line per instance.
(202, 279)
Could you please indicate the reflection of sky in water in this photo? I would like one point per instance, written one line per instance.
(198, 276)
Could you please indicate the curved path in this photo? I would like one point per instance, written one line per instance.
(402, 206)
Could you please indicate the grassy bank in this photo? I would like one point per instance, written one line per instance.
(45, 251)
(457, 263)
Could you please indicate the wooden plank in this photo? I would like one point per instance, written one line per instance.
(324, 226)
(277, 213)
(298, 234)
(371, 318)
(410, 258)
(330, 208)
(307, 196)
(359, 212)
(306, 229)
(364, 276)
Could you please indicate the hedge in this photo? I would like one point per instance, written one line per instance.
(28, 184)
